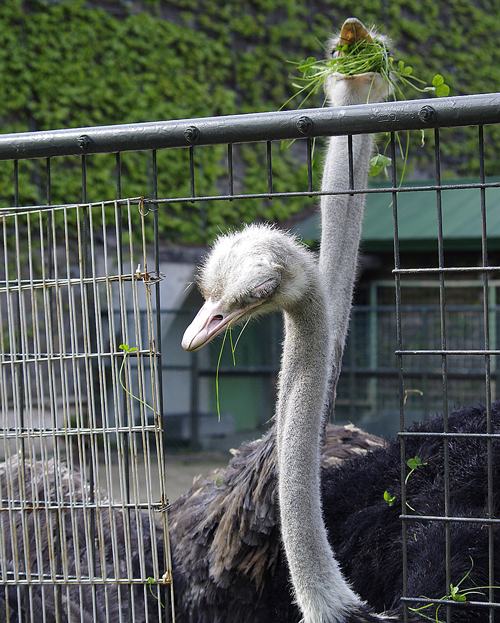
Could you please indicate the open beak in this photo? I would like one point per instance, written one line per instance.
(209, 322)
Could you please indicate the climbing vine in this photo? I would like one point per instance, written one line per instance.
(73, 63)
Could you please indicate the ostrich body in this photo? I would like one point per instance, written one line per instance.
(29, 546)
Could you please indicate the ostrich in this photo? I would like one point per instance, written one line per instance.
(227, 565)
(259, 270)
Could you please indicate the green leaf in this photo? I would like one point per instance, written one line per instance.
(390, 499)
(378, 164)
(438, 80)
(442, 90)
(455, 594)
(127, 348)
(415, 462)
(306, 65)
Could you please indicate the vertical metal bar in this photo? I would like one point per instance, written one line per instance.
(51, 250)
(309, 153)
(158, 362)
(19, 369)
(444, 366)
(230, 170)
(125, 436)
(86, 306)
(157, 289)
(20, 380)
(123, 337)
(487, 369)
(118, 176)
(191, 172)
(350, 158)
(399, 341)
(269, 169)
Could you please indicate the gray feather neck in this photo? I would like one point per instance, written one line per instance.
(320, 589)
(341, 224)
(342, 214)
(311, 365)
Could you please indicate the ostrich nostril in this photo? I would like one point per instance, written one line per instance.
(215, 322)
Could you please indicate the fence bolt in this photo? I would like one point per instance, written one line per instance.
(84, 142)
(427, 114)
(305, 125)
(192, 134)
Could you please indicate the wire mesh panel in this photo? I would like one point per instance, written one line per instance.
(81, 481)
(82, 476)
(457, 436)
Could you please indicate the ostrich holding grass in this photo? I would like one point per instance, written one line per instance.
(334, 522)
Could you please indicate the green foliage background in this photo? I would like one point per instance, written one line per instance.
(72, 63)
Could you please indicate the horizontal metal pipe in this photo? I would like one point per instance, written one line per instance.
(268, 126)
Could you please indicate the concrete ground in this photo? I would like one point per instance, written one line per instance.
(182, 469)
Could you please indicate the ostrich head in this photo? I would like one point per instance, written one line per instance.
(248, 273)
(360, 88)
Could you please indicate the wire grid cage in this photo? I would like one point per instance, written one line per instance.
(82, 477)
(81, 359)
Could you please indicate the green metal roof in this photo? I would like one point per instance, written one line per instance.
(418, 222)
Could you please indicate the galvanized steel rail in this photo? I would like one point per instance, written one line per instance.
(267, 126)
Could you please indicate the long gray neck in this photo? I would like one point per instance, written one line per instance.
(342, 215)
(341, 223)
(320, 589)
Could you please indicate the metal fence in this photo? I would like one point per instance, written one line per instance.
(83, 532)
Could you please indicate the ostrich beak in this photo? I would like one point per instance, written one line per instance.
(353, 30)
(210, 321)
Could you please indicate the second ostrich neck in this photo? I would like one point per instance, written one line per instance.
(341, 218)
(321, 591)
(341, 224)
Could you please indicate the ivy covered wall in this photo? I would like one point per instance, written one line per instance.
(72, 63)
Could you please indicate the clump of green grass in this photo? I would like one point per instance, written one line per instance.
(370, 55)
(362, 57)
(233, 350)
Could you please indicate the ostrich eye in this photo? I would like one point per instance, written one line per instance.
(266, 288)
